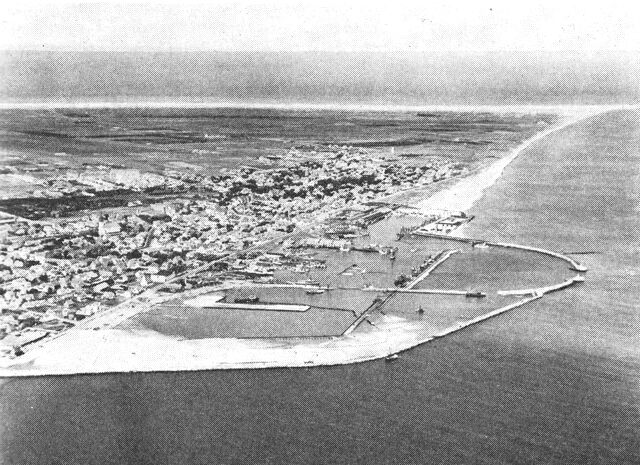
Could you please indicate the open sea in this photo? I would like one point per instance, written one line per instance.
(557, 381)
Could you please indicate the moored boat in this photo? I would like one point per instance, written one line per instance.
(316, 291)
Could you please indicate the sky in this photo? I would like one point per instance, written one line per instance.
(292, 25)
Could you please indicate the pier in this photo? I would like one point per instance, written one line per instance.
(392, 290)
(258, 306)
(412, 291)
(439, 261)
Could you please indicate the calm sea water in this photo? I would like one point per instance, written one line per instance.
(554, 382)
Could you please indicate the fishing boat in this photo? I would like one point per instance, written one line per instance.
(391, 358)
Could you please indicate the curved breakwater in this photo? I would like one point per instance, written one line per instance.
(574, 264)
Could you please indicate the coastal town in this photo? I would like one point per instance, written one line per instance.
(172, 231)
(251, 232)
(318, 254)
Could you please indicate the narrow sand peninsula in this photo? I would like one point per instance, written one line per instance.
(118, 351)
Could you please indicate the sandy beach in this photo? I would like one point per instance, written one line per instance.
(461, 195)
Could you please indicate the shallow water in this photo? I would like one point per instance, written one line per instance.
(552, 382)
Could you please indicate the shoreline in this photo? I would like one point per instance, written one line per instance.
(463, 194)
(110, 350)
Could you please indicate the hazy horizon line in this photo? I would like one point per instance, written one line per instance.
(586, 53)
(169, 104)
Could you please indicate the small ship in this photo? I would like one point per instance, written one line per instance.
(476, 294)
(251, 299)
(315, 291)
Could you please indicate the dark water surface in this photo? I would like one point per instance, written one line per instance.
(555, 382)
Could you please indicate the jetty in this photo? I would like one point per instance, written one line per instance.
(444, 256)
(412, 291)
